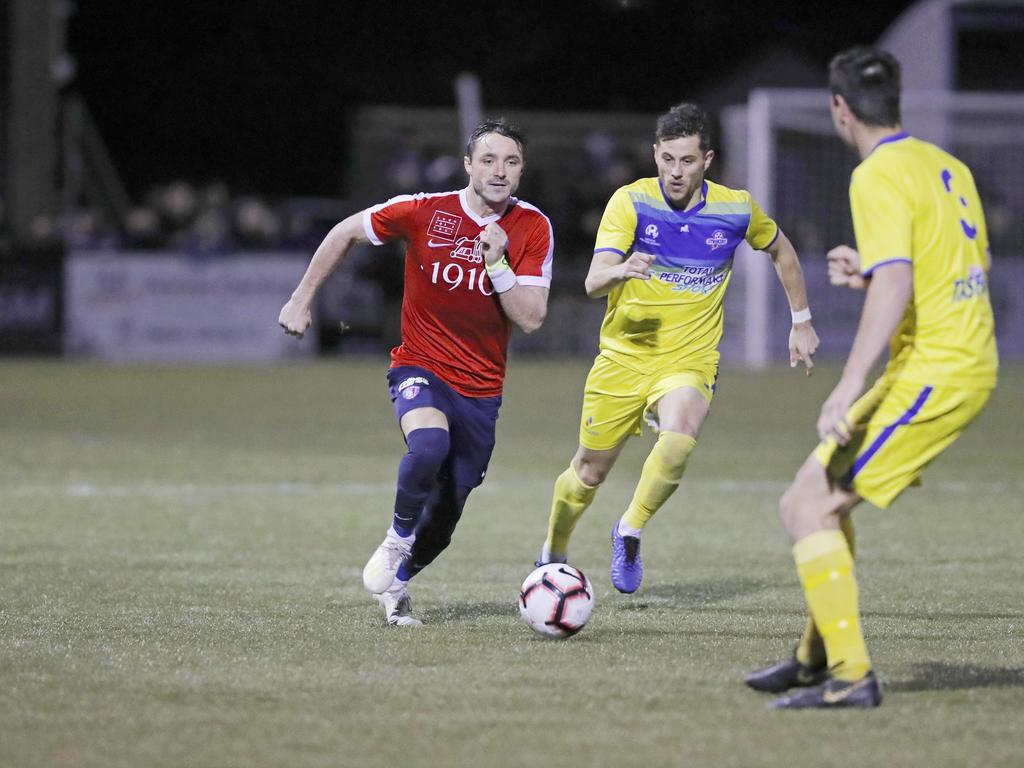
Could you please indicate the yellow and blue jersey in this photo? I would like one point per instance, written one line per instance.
(677, 315)
(913, 202)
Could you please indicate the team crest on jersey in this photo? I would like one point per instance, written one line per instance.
(717, 239)
(444, 226)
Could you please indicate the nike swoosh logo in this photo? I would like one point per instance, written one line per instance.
(432, 244)
(834, 697)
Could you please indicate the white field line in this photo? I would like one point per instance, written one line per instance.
(173, 490)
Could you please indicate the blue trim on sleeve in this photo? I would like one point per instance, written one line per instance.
(886, 433)
(613, 250)
(883, 263)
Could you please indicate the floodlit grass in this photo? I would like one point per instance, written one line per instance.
(180, 560)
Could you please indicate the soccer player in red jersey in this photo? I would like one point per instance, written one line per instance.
(477, 263)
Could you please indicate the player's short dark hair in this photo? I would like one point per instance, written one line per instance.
(685, 120)
(868, 79)
(502, 127)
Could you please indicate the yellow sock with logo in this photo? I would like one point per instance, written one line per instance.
(661, 474)
(811, 649)
(825, 565)
(571, 498)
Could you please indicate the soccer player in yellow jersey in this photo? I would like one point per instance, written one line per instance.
(923, 259)
(663, 258)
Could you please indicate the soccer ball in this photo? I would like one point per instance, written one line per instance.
(556, 600)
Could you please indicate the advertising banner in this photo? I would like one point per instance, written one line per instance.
(165, 307)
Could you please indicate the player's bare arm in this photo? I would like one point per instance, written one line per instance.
(888, 292)
(296, 315)
(525, 305)
(844, 268)
(608, 269)
(803, 339)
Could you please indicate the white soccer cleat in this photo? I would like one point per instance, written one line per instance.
(397, 606)
(383, 564)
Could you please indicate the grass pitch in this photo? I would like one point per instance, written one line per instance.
(180, 560)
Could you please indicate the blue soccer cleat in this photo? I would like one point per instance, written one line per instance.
(785, 675)
(865, 693)
(627, 570)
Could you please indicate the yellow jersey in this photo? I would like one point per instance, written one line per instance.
(914, 202)
(677, 315)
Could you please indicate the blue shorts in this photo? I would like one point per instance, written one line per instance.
(471, 420)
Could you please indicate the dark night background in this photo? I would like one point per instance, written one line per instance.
(257, 93)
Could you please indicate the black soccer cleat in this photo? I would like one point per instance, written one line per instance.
(865, 693)
(785, 675)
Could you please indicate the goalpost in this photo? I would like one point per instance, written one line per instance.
(782, 147)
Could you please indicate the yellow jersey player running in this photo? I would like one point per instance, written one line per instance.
(663, 258)
(923, 258)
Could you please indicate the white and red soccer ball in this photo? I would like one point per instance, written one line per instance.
(556, 600)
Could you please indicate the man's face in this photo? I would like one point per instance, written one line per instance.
(495, 168)
(681, 167)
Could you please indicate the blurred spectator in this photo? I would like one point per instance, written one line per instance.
(80, 229)
(255, 224)
(142, 230)
(177, 204)
(210, 232)
(215, 195)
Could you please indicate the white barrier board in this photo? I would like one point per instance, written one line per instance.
(175, 308)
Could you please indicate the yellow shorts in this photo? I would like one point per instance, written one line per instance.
(616, 399)
(897, 429)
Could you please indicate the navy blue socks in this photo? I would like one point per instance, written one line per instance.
(417, 473)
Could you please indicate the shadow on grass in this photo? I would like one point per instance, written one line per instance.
(943, 615)
(694, 595)
(472, 611)
(941, 676)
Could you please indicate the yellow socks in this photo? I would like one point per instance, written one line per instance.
(660, 476)
(571, 498)
(825, 565)
(811, 649)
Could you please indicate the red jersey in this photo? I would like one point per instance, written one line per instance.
(452, 321)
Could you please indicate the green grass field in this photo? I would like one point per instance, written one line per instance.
(180, 560)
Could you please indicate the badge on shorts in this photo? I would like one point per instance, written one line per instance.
(410, 387)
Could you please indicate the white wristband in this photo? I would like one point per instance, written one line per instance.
(801, 315)
(502, 277)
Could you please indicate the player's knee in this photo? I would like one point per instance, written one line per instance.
(795, 509)
(803, 512)
(429, 447)
(591, 473)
